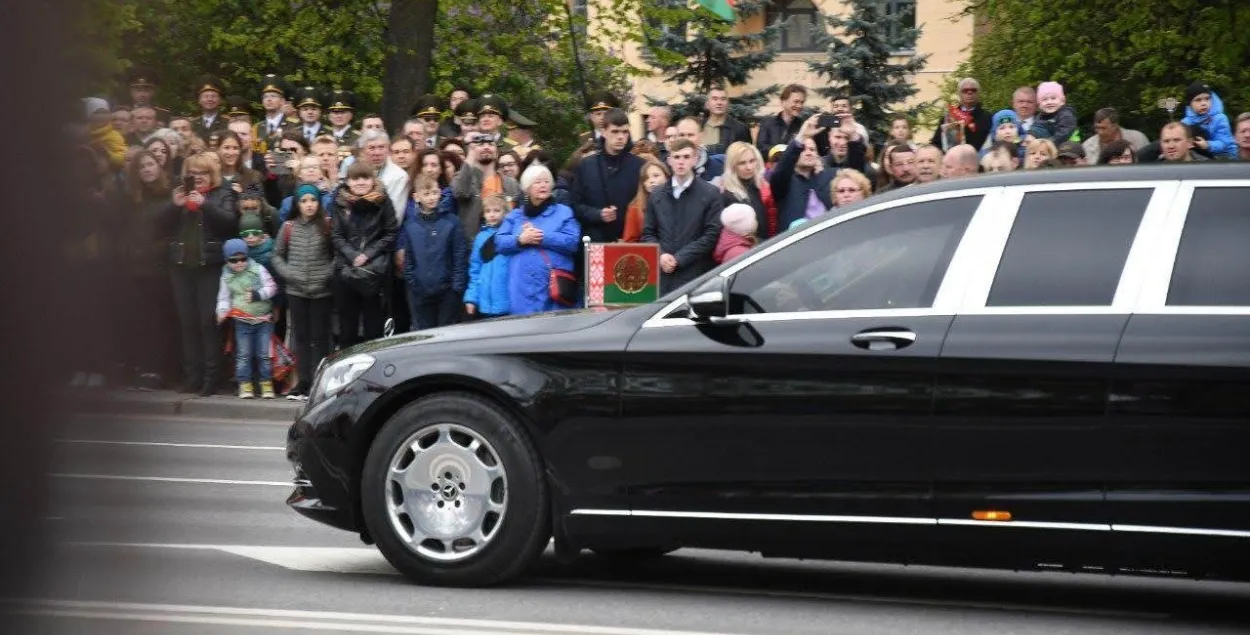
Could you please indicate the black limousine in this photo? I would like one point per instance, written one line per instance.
(1043, 369)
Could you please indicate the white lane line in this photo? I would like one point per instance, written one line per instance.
(157, 444)
(171, 479)
(327, 620)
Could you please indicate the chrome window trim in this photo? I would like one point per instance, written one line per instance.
(1132, 279)
(910, 520)
(1157, 282)
(987, 194)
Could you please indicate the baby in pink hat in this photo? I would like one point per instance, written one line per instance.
(1058, 116)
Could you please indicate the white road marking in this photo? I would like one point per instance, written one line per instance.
(171, 479)
(367, 560)
(317, 620)
(156, 444)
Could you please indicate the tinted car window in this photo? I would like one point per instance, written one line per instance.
(1213, 260)
(1068, 248)
(891, 259)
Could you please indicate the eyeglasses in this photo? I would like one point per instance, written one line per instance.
(252, 233)
(198, 172)
(234, 260)
(847, 190)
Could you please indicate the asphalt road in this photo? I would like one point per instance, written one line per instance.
(174, 526)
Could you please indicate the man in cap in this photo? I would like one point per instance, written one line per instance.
(267, 131)
(521, 134)
(342, 109)
(1072, 153)
(309, 102)
(466, 116)
(450, 127)
(491, 112)
(600, 103)
(238, 109)
(142, 83)
(209, 91)
(428, 110)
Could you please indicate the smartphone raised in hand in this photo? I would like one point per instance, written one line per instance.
(188, 184)
(828, 120)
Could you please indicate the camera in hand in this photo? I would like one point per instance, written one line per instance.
(188, 184)
(828, 120)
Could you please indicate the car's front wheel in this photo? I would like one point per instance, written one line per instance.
(453, 492)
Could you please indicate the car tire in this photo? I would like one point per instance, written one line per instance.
(451, 430)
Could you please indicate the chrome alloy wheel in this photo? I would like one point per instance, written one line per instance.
(447, 492)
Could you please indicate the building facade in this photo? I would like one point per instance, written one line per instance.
(946, 36)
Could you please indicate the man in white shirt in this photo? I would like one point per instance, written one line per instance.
(377, 151)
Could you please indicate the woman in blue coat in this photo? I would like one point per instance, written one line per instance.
(540, 236)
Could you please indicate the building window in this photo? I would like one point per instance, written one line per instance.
(804, 23)
(906, 8)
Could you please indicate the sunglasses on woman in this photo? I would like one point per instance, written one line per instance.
(236, 259)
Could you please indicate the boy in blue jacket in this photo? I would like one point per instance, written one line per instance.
(487, 295)
(433, 254)
(1205, 109)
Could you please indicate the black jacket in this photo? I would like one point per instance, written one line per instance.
(368, 228)
(731, 132)
(215, 222)
(774, 131)
(983, 121)
(587, 192)
(687, 228)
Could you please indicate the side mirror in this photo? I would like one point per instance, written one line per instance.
(709, 300)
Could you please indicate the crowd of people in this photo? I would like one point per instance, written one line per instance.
(291, 225)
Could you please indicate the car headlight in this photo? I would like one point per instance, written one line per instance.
(337, 376)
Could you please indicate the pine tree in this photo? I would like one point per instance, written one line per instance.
(860, 48)
(692, 46)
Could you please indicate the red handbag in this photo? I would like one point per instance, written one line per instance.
(561, 285)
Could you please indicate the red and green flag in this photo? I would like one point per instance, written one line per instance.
(724, 9)
(622, 273)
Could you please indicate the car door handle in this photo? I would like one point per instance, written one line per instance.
(883, 339)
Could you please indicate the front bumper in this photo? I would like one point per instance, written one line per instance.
(326, 449)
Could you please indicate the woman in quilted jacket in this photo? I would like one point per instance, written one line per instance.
(304, 259)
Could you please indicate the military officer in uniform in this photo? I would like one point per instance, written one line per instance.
(273, 94)
(238, 109)
(209, 91)
(491, 112)
(521, 134)
(342, 109)
(310, 103)
(466, 115)
(142, 83)
(429, 110)
(600, 102)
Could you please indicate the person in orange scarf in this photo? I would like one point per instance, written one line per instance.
(653, 175)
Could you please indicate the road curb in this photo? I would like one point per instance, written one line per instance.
(177, 405)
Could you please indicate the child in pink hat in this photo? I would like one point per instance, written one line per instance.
(1056, 113)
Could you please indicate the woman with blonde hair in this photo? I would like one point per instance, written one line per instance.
(1037, 152)
(199, 220)
(653, 175)
(743, 182)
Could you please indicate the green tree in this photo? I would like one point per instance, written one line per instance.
(1123, 53)
(692, 47)
(861, 49)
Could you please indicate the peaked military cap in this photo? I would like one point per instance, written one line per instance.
(467, 110)
(428, 106)
(237, 106)
(309, 96)
(492, 105)
(342, 100)
(271, 83)
(207, 83)
(603, 100)
(521, 121)
(141, 77)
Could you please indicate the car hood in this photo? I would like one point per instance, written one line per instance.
(552, 323)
